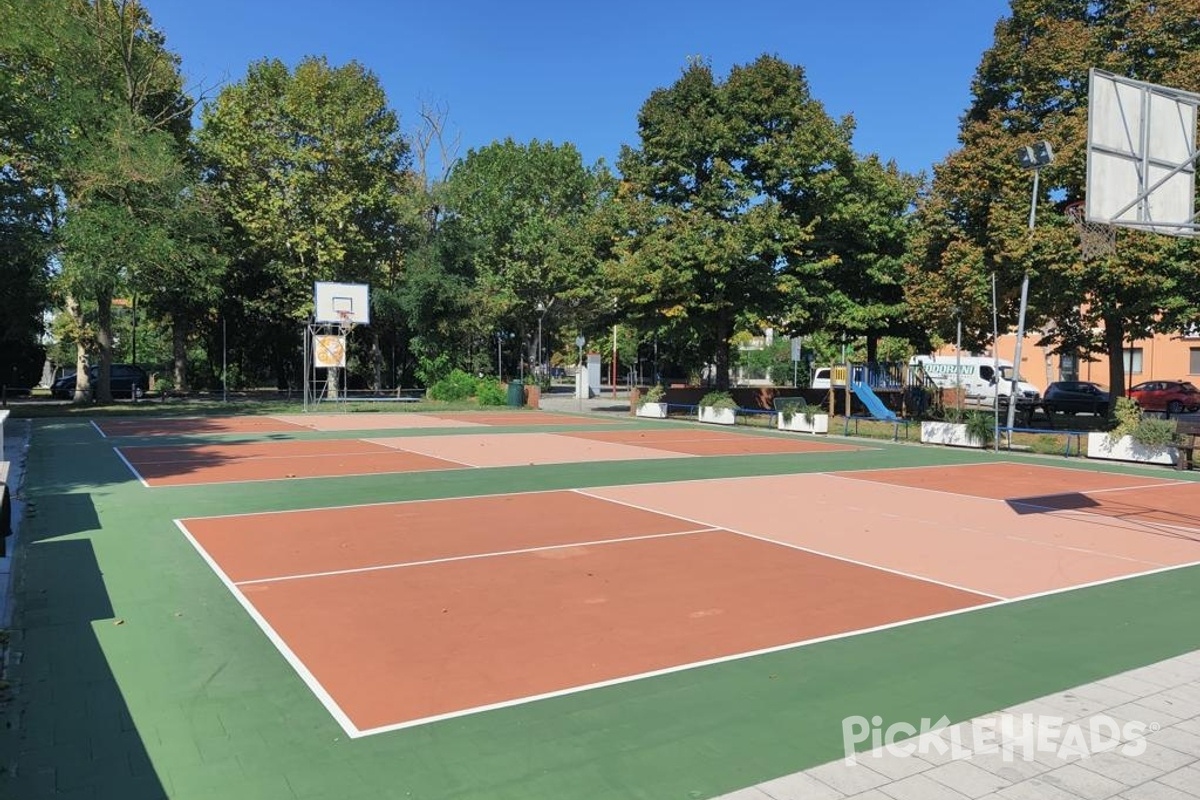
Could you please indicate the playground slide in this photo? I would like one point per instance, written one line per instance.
(872, 402)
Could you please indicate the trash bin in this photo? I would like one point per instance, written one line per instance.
(516, 394)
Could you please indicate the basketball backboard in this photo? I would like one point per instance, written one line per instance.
(341, 303)
(1141, 155)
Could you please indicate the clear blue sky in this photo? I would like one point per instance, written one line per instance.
(561, 70)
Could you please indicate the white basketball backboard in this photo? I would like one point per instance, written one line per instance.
(341, 303)
(1141, 155)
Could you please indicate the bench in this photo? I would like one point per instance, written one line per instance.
(1187, 432)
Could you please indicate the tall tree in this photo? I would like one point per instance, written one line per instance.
(522, 212)
(110, 122)
(309, 167)
(1032, 85)
(721, 204)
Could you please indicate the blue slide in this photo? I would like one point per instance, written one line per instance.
(872, 402)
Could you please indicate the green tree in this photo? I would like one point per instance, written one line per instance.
(309, 170)
(1032, 85)
(720, 205)
(104, 119)
(522, 216)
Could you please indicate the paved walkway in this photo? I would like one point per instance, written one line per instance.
(12, 473)
(1157, 709)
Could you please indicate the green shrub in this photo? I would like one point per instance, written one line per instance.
(718, 400)
(1148, 431)
(981, 426)
(654, 394)
(490, 392)
(1153, 432)
(458, 385)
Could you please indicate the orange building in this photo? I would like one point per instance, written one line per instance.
(1160, 357)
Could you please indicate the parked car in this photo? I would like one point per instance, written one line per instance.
(1174, 397)
(1076, 397)
(125, 380)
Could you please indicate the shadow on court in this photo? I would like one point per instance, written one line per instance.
(68, 730)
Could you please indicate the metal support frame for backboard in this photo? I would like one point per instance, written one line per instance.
(337, 309)
(1141, 155)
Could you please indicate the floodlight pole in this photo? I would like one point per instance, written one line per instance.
(1034, 157)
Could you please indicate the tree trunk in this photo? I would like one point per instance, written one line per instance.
(179, 354)
(872, 348)
(376, 361)
(1114, 341)
(83, 386)
(104, 339)
(721, 357)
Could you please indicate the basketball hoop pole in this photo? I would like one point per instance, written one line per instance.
(1036, 157)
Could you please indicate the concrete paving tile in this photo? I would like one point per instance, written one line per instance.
(1186, 779)
(873, 794)
(895, 765)
(848, 780)
(1106, 696)
(1011, 765)
(968, 779)
(1135, 686)
(1035, 789)
(920, 787)
(749, 793)
(1140, 712)
(1154, 790)
(1178, 739)
(1190, 725)
(1083, 782)
(1182, 702)
(1133, 770)
(799, 786)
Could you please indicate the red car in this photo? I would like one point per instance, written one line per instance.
(1174, 397)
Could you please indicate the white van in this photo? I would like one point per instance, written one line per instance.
(977, 376)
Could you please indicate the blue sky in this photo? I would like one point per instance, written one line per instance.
(575, 71)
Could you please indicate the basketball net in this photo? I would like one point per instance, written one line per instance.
(1096, 239)
(346, 321)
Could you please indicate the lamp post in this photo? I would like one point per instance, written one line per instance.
(541, 309)
(958, 358)
(1032, 157)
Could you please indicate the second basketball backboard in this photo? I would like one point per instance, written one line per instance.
(1141, 155)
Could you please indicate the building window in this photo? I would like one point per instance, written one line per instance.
(1133, 361)
(1194, 361)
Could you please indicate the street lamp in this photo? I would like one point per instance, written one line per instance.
(541, 309)
(1032, 157)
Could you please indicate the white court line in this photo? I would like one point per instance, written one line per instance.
(473, 556)
(99, 430)
(809, 550)
(132, 469)
(288, 654)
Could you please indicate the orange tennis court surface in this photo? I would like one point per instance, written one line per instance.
(293, 423)
(397, 614)
(259, 461)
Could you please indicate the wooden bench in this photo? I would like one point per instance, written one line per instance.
(1188, 433)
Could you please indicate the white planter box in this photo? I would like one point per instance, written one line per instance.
(1099, 445)
(949, 433)
(718, 416)
(798, 422)
(653, 410)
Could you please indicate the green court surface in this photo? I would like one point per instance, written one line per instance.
(135, 674)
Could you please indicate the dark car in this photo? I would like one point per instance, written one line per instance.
(1076, 397)
(125, 380)
(1174, 397)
